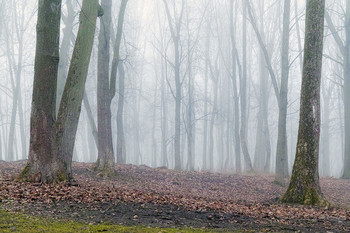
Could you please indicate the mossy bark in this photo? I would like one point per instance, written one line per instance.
(43, 165)
(304, 187)
(51, 141)
(70, 107)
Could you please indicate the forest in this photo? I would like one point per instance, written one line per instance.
(175, 115)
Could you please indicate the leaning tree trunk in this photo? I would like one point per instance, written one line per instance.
(69, 111)
(42, 163)
(67, 38)
(304, 187)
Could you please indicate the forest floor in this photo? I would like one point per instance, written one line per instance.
(143, 196)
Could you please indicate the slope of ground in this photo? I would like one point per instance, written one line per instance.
(139, 195)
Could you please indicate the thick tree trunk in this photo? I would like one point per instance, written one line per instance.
(282, 143)
(304, 187)
(325, 161)
(43, 164)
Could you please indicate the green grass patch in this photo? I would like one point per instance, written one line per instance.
(16, 222)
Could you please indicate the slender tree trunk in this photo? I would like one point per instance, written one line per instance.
(121, 148)
(105, 160)
(63, 64)
(346, 173)
(266, 134)
(237, 142)
(211, 126)
(304, 187)
(282, 142)
(175, 35)
(205, 122)
(190, 122)
(91, 120)
(112, 84)
(154, 116)
(164, 120)
(243, 87)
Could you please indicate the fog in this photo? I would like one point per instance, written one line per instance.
(202, 43)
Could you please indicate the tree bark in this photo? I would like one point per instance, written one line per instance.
(175, 35)
(105, 160)
(304, 187)
(234, 77)
(346, 173)
(121, 148)
(68, 37)
(282, 143)
(43, 164)
(70, 107)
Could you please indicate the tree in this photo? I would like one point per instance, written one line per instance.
(51, 140)
(344, 48)
(237, 141)
(121, 147)
(175, 36)
(282, 151)
(243, 88)
(105, 160)
(41, 160)
(107, 89)
(304, 187)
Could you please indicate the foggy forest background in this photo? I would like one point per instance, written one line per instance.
(209, 109)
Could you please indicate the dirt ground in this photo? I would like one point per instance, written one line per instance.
(139, 195)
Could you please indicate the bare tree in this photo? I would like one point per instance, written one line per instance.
(175, 30)
(52, 142)
(304, 187)
(282, 150)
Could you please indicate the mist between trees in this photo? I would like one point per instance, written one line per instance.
(185, 84)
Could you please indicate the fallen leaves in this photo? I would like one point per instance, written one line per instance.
(252, 196)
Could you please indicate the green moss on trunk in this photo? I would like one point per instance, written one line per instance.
(304, 187)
